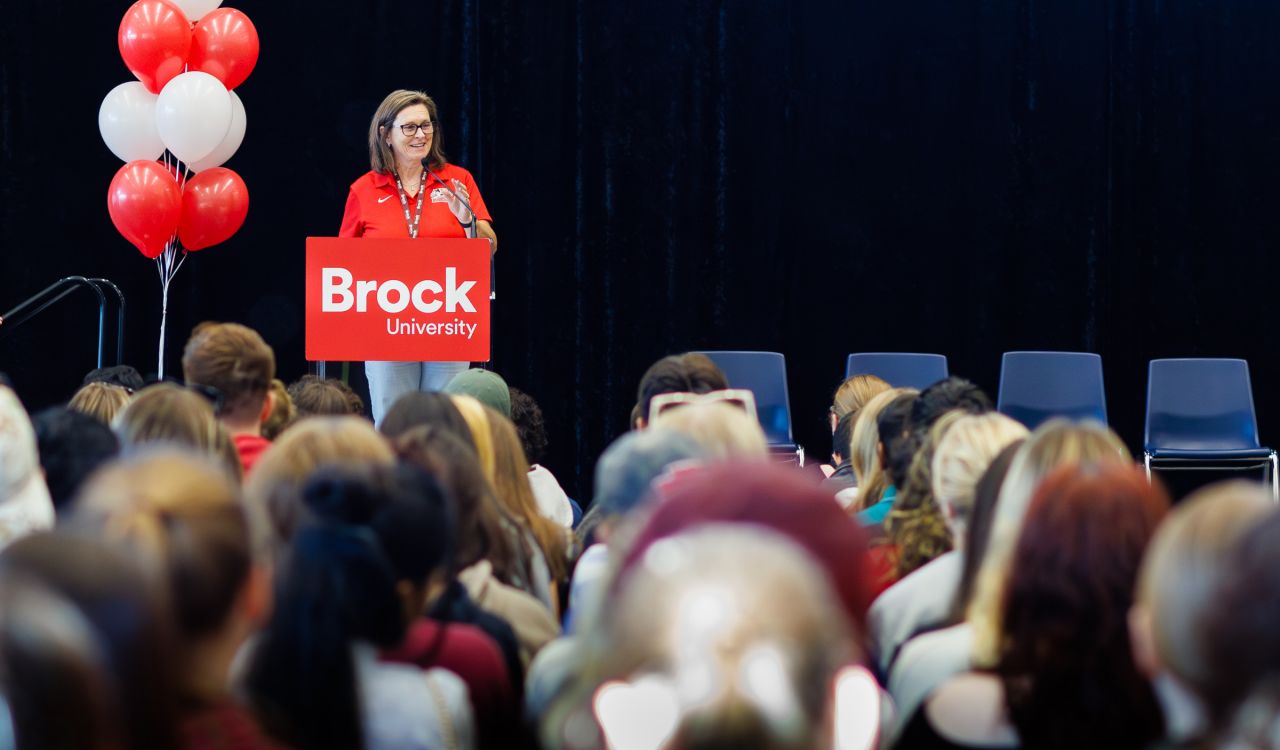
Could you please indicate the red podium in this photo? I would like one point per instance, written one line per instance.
(402, 300)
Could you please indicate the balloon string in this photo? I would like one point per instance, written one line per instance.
(168, 262)
(167, 268)
(165, 278)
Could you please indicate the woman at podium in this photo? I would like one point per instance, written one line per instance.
(411, 191)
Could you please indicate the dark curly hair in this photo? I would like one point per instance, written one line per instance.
(530, 427)
(1065, 661)
(916, 524)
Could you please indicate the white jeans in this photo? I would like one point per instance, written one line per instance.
(389, 381)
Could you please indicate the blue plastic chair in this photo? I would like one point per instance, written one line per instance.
(1037, 386)
(899, 369)
(1200, 411)
(765, 375)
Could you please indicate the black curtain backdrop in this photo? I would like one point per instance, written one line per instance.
(964, 177)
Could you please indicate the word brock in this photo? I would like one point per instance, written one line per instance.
(393, 296)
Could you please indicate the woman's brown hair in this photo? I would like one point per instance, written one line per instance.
(511, 484)
(183, 520)
(381, 158)
(1065, 658)
(170, 414)
(855, 392)
(916, 523)
(275, 486)
(482, 525)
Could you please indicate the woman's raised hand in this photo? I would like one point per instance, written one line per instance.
(459, 199)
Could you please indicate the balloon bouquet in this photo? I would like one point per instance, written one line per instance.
(174, 127)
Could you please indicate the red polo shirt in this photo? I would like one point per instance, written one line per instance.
(374, 210)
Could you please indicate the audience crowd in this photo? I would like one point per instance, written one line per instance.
(232, 562)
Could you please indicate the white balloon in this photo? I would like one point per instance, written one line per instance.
(194, 9)
(229, 145)
(193, 115)
(127, 121)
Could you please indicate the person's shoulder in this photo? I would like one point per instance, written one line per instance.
(449, 680)
(938, 577)
(969, 709)
(471, 640)
(367, 181)
(929, 659)
(467, 633)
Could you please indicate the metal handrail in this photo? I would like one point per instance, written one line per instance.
(101, 282)
(55, 292)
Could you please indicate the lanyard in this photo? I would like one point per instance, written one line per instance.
(404, 203)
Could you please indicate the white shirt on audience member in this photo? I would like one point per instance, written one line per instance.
(553, 502)
(926, 662)
(405, 708)
(920, 600)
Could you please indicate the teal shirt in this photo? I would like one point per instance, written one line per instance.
(875, 514)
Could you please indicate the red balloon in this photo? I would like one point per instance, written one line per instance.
(214, 204)
(145, 204)
(155, 38)
(224, 44)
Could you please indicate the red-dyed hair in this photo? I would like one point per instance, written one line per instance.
(1068, 673)
(782, 500)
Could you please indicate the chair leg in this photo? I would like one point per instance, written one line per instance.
(1146, 459)
(1275, 478)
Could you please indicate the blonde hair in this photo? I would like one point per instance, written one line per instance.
(381, 157)
(275, 486)
(102, 401)
(724, 430)
(1185, 564)
(511, 485)
(1058, 442)
(473, 414)
(738, 575)
(170, 414)
(864, 448)
(854, 393)
(183, 519)
(962, 457)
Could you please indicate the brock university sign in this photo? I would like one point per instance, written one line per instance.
(398, 300)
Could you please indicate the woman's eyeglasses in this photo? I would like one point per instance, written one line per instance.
(409, 128)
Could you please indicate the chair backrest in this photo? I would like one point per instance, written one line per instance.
(1200, 405)
(1037, 386)
(765, 375)
(899, 369)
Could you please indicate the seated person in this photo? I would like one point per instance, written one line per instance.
(313, 395)
(238, 366)
(690, 372)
